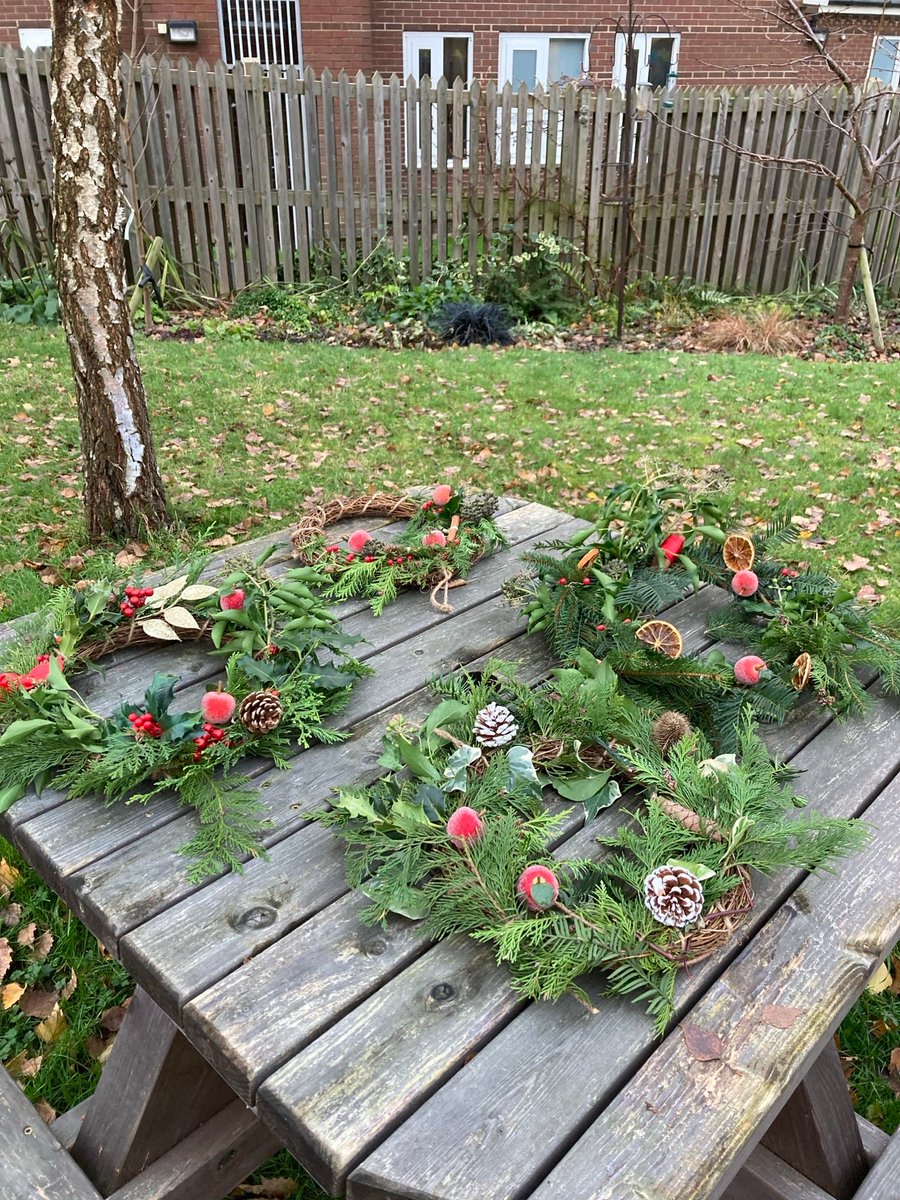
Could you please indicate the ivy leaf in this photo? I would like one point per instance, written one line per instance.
(584, 788)
(603, 799)
(521, 769)
(457, 765)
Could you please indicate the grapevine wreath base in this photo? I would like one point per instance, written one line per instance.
(447, 534)
(285, 668)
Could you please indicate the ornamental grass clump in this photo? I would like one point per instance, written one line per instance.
(470, 323)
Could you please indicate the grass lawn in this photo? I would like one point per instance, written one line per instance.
(245, 430)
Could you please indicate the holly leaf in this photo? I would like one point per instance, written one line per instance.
(180, 618)
(160, 694)
(432, 800)
(410, 817)
(355, 804)
(158, 629)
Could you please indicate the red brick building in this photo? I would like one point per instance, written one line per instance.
(719, 41)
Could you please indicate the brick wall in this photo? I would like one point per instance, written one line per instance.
(722, 41)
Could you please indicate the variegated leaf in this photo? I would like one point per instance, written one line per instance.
(180, 618)
(159, 629)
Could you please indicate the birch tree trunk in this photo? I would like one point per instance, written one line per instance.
(123, 491)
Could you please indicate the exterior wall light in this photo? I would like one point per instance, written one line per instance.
(182, 32)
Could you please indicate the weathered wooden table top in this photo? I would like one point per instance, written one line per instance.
(393, 1067)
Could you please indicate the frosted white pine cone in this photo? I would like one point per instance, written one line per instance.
(494, 726)
(674, 896)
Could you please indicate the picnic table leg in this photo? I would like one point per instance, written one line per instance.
(817, 1133)
(155, 1090)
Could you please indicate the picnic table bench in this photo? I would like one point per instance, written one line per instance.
(266, 1013)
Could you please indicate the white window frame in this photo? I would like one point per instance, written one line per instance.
(35, 37)
(432, 39)
(642, 45)
(510, 42)
(895, 77)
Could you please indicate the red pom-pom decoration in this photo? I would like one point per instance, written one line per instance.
(538, 887)
(358, 539)
(442, 493)
(233, 600)
(745, 583)
(464, 825)
(747, 670)
(218, 707)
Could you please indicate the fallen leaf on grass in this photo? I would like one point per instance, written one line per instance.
(268, 1189)
(44, 1111)
(868, 595)
(25, 935)
(70, 987)
(42, 946)
(9, 876)
(113, 1017)
(11, 915)
(702, 1044)
(5, 956)
(53, 1027)
(23, 1067)
(36, 1003)
(880, 981)
(10, 994)
(856, 563)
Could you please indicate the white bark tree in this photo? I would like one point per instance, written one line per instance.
(123, 491)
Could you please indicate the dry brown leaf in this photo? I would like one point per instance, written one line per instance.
(113, 1017)
(44, 1111)
(70, 987)
(781, 1016)
(5, 956)
(702, 1044)
(42, 946)
(894, 1061)
(36, 1003)
(10, 994)
(11, 915)
(53, 1027)
(268, 1189)
(23, 1067)
(856, 563)
(26, 934)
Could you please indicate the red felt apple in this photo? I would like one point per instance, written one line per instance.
(234, 599)
(218, 707)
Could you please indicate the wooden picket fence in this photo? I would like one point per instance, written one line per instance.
(249, 173)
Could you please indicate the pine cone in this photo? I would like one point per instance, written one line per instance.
(674, 896)
(260, 712)
(480, 506)
(374, 546)
(494, 726)
(669, 729)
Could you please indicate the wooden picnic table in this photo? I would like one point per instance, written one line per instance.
(267, 1014)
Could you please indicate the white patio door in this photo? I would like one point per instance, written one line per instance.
(436, 55)
(538, 58)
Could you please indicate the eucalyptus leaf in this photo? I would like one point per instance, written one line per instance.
(9, 795)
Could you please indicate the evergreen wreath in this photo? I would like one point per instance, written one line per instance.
(807, 627)
(457, 834)
(632, 562)
(286, 668)
(444, 538)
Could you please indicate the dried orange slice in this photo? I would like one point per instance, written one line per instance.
(738, 552)
(661, 637)
(802, 672)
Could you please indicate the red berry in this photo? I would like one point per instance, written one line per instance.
(148, 592)
(369, 558)
(562, 580)
(127, 610)
(350, 558)
(601, 627)
(198, 741)
(586, 582)
(332, 549)
(217, 735)
(132, 716)
(197, 755)
(627, 621)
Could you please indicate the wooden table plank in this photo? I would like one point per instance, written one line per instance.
(491, 1129)
(812, 960)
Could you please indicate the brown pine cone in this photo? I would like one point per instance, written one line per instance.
(669, 729)
(260, 712)
(674, 896)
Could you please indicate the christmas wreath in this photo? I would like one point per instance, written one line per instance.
(286, 667)
(806, 628)
(457, 833)
(446, 535)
